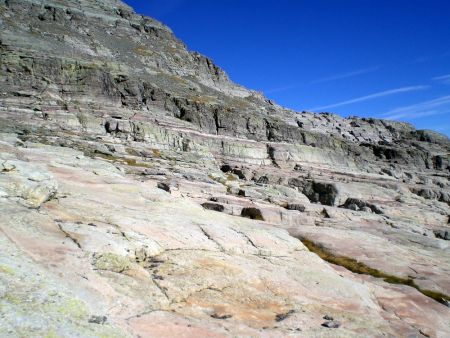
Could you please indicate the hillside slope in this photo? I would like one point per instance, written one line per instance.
(143, 193)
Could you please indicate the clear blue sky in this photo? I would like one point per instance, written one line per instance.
(378, 58)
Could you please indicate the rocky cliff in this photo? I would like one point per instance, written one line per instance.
(145, 194)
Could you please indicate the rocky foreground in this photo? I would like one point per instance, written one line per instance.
(143, 194)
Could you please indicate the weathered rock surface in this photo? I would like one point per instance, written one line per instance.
(142, 193)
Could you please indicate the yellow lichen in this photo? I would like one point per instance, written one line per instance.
(51, 334)
(73, 308)
(7, 270)
(111, 262)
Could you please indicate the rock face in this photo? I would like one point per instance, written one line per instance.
(142, 193)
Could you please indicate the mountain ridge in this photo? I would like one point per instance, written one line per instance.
(146, 194)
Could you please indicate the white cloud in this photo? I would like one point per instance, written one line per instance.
(372, 96)
(437, 106)
(443, 78)
(414, 115)
(279, 89)
(345, 75)
(325, 79)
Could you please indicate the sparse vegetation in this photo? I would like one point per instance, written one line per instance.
(360, 268)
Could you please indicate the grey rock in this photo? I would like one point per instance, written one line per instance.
(442, 234)
(357, 204)
(98, 102)
(98, 319)
(164, 186)
(295, 206)
(252, 213)
(213, 206)
(331, 324)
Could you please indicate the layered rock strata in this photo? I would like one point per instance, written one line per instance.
(143, 193)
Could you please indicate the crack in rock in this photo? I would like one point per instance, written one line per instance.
(211, 238)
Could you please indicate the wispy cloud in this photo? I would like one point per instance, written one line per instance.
(428, 58)
(443, 128)
(415, 115)
(372, 96)
(325, 79)
(443, 78)
(279, 89)
(437, 106)
(345, 75)
(422, 59)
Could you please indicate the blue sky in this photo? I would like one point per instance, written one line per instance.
(377, 58)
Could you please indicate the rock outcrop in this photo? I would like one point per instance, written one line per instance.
(143, 193)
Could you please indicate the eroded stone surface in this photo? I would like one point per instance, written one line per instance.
(144, 194)
(136, 252)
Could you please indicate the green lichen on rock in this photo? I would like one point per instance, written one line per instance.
(6, 270)
(34, 307)
(111, 262)
(73, 308)
(51, 334)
